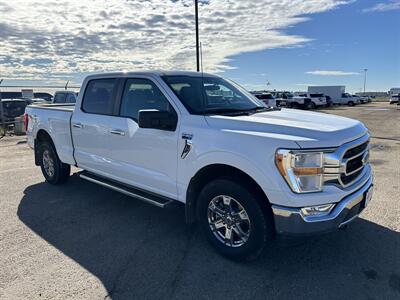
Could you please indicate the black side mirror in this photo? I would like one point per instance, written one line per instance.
(156, 119)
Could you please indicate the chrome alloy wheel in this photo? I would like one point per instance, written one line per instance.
(228, 221)
(48, 163)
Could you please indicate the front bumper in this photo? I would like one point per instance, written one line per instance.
(290, 221)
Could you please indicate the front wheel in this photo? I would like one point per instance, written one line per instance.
(54, 171)
(350, 103)
(233, 219)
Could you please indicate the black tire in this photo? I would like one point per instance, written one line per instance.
(257, 209)
(294, 105)
(59, 173)
(313, 106)
(350, 103)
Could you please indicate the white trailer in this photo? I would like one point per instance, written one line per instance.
(336, 92)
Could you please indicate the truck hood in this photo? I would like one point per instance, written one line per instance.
(307, 129)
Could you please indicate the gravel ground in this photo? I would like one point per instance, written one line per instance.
(82, 241)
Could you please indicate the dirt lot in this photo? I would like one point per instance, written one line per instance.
(82, 241)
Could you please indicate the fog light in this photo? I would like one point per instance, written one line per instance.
(318, 210)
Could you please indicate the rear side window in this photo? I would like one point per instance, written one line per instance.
(316, 95)
(71, 98)
(59, 98)
(140, 94)
(98, 98)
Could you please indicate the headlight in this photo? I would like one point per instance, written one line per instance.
(303, 171)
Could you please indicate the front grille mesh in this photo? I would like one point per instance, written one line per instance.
(356, 150)
(354, 163)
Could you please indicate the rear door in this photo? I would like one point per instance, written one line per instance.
(91, 126)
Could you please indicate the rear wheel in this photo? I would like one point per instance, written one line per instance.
(350, 103)
(233, 219)
(54, 171)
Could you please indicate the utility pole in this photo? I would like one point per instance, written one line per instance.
(196, 4)
(365, 79)
(3, 121)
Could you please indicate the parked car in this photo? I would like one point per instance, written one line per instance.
(61, 97)
(267, 98)
(307, 101)
(318, 100)
(282, 98)
(348, 99)
(394, 99)
(299, 102)
(357, 99)
(245, 172)
(365, 99)
(13, 108)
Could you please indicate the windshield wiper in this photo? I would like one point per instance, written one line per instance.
(237, 112)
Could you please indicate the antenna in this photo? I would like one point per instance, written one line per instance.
(66, 86)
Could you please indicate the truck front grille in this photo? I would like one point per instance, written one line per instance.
(355, 160)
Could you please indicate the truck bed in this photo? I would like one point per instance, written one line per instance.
(55, 106)
(54, 119)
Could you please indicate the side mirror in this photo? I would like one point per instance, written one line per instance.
(156, 119)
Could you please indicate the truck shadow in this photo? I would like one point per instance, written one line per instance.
(139, 251)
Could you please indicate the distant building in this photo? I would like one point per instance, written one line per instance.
(373, 94)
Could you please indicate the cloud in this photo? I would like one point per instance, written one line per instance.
(380, 7)
(75, 37)
(332, 73)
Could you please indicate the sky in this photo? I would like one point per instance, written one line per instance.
(261, 44)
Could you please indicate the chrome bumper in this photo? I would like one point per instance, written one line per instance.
(290, 221)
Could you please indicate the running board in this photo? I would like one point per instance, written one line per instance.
(150, 198)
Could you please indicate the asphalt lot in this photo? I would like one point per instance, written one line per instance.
(82, 241)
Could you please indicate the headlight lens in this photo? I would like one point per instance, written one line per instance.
(303, 171)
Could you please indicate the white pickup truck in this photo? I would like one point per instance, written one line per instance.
(245, 172)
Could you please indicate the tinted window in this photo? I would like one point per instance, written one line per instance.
(201, 95)
(316, 95)
(59, 98)
(71, 98)
(98, 98)
(142, 94)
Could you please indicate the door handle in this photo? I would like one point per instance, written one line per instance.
(117, 132)
(77, 125)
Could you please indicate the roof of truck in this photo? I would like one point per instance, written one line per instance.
(152, 73)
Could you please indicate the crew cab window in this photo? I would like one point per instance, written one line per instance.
(142, 94)
(98, 98)
(59, 98)
(71, 98)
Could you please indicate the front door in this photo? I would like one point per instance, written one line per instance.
(142, 157)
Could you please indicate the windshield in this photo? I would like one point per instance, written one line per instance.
(202, 95)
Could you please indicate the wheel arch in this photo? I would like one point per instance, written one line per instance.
(41, 137)
(211, 172)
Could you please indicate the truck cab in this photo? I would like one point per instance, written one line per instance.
(244, 172)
